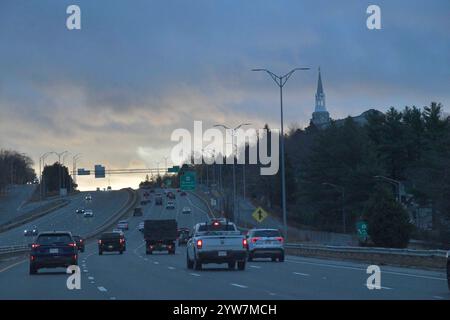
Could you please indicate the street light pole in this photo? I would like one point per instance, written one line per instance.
(394, 182)
(281, 81)
(342, 189)
(233, 134)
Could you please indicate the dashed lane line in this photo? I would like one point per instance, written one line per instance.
(239, 285)
(102, 289)
(301, 274)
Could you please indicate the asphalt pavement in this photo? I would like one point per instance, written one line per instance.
(135, 275)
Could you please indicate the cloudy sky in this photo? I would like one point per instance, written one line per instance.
(115, 90)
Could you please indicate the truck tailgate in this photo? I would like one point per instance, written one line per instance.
(225, 242)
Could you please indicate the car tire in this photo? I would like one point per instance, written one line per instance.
(274, 259)
(121, 252)
(231, 265)
(281, 257)
(241, 265)
(189, 263)
(197, 264)
(33, 270)
(100, 252)
(149, 252)
(250, 257)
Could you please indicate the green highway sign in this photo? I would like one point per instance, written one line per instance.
(174, 169)
(361, 227)
(188, 180)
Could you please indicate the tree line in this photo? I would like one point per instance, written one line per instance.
(15, 168)
(342, 170)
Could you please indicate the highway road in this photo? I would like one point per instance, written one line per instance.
(135, 275)
(103, 204)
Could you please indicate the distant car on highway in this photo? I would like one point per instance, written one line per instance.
(53, 250)
(183, 193)
(30, 232)
(265, 243)
(88, 213)
(216, 242)
(183, 236)
(170, 205)
(137, 212)
(80, 243)
(123, 225)
(186, 210)
(141, 226)
(158, 201)
(88, 197)
(79, 211)
(111, 242)
(170, 195)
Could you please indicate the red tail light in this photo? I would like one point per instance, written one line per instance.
(255, 239)
(81, 241)
(99, 241)
(199, 244)
(122, 240)
(35, 245)
(216, 223)
(32, 258)
(244, 243)
(73, 244)
(280, 239)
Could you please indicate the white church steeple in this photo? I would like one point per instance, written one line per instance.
(320, 116)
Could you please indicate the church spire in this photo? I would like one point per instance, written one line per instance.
(320, 116)
(319, 85)
(320, 96)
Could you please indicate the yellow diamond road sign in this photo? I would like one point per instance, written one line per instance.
(259, 214)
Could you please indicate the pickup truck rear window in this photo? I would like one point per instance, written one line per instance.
(220, 227)
(54, 238)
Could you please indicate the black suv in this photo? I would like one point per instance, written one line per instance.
(80, 243)
(53, 250)
(111, 241)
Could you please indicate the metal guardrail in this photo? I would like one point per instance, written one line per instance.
(369, 250)
(14, 249)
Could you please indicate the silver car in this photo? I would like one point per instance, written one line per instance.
(265, 243)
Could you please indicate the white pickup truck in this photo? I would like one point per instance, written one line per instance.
(216, 241)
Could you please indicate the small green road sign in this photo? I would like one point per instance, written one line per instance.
(260, 214)
(174, 169)
(168, 183)
(188, 180)
(361, 228)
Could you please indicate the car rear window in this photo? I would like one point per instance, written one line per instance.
(111, 235)
(47, 239)
(267, 233)
(76, 238)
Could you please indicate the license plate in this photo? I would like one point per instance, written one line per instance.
(222, 253)
(110, 247)
(54, 251)
(268, 242)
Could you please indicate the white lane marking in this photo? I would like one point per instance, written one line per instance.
(256, 267)
(238, 285)
(195, 274)
(381, 287)
(145, 259)
(13, 265)
(171, 268)
(92, 282)
(438, 297)
(91, 278)
(301, 274)
(362, 269)
(85, 271)
(103, 289)
(155, 262)
(112, 298)
(272, 294)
